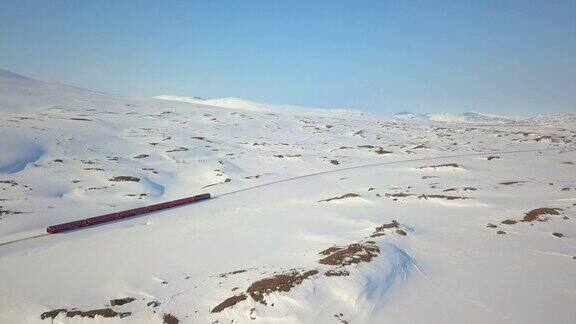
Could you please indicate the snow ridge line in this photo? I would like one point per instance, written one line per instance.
(338, 170)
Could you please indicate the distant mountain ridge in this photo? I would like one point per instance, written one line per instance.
(473, 117)
(243, 104)
(230, 102)
(17, 91)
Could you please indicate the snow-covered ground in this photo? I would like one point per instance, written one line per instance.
(318, 216)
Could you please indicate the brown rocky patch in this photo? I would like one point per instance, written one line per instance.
(224, 275)
(446, 165)
(397, 195)
(492, 157)
(229, 302)
(341, 319)
(508, 183)
(351, 254)
(401, 232)
(278, 283)
(12, 183)
(121, 301)
(170, 319)
(344, 196)
(509, 222)
(178, 149)
(442, 197)
(535, 214)
(463, 189)
(124, 178)
(381, 151)
(8, 212)
(336, 273)
(560, 235)
(104, 312)
(393, 224)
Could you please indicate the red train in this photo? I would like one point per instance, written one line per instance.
(123, 214)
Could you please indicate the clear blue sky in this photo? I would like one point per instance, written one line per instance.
(508, 57)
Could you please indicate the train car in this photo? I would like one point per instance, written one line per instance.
(74, 225)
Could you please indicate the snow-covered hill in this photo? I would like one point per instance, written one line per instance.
(234, 103)
(318, 216)
(551, 119)
(473, 117)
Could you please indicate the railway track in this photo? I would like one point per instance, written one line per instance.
(129, 215)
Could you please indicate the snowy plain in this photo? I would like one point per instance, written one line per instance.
(317, 216)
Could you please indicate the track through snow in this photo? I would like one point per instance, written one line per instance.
(327, 172)
(379, 164)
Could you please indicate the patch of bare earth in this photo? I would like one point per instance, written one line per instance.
(535, 214)
(259, 289)
(381, 151)
(178, 149)
(121, 301)
(538, 214)
(124, 178)
(104, 312)
(463, 189)
(395, 196)
(170, 319)
(337, 257)
(341, 319)
(446, 165)
(351, 254)
(508, 183)
(442, 197)
(336, 273)
(278, 283)
(344, 196)
(229, 302)
(224, 275)
(392, 227)
(8, 212)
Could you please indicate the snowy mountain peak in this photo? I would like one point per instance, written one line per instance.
(11, 75)
(477, 117)
(405, 115)
(467, 117)
(230, 102)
